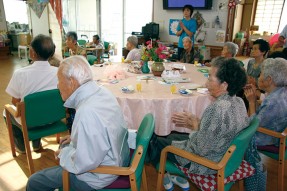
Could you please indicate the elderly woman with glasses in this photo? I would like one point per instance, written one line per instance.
(272, 112)
(221, 121)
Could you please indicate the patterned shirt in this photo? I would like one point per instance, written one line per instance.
(79, 51)
(220, 123)
(188, 57)
(272, 114)
(253, 72)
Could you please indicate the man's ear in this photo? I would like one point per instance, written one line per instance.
(74, 83)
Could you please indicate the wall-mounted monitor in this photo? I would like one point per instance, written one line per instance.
(178, 4)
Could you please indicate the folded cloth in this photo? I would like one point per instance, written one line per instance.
(114, 72)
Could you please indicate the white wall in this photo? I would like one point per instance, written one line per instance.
(162, 18)
(3, 25)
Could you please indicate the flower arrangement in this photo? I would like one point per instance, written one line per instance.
(153, 51)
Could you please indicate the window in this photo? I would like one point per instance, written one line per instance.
(80, 16)
(268, 14)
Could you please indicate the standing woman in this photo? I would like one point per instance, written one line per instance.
(186, 27)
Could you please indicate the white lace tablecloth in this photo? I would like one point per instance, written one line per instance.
(155, 98)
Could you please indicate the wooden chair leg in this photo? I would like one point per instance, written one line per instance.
(10, 132)
(133, 183)
(280, 175)
(144, 180)
(66, 181)
(29, 156)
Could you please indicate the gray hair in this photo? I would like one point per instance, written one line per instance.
(133, 40)
(186, 38)
(73, 35)
(232, 48)
(276, 68)
(78, 68)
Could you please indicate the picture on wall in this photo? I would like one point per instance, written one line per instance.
(173, 23)
(220, 36)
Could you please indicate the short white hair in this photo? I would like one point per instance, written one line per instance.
(133, 40)
(78, 68)
(276, 68)
(232, 48)
(187, 38)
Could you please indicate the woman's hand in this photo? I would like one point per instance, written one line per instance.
(251, 80)
(250, 93)
(181, 24)
(185, 119)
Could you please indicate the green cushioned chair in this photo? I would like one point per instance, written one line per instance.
(135, 173)
(41, 115)
(228, 164)
(82, 43)
(91, 59)
(107, 50)
(278, 154)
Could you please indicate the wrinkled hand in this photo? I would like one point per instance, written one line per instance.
(56, 154)
(185, 119)
(251, 80)
(65, 140)
(250, 92)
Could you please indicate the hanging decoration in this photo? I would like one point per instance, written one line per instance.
(37, 7)
(232, 4)
(199, 35)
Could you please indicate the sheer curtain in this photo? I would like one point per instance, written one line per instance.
(123, 18)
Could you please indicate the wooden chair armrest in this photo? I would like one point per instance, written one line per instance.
(272, 133)
(201, 160)
(12, 110)
(122, 170)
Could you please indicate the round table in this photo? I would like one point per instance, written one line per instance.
(155, 97)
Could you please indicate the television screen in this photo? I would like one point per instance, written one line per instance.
(178, 4)
(151, 30)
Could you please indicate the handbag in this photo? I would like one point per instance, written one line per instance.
(257, 182)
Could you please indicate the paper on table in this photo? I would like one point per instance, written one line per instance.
(202, 90)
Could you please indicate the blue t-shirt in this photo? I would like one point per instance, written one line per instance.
(191, 26)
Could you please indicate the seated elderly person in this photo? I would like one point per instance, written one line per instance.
(220, 122)
(72, 44)
(96, 43)
(189, 54)
(39, 76)
(259, 49)
(134, 52)
(229, 50)
(99, 134)
(272, 112)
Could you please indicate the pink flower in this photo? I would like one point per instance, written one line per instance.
(149, 46)
(162, 56)
(148, 42)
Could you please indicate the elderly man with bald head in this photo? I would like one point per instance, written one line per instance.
(98, 137)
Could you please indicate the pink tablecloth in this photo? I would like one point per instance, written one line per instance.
(156, 98)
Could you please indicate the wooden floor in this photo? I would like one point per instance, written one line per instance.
(14, 171)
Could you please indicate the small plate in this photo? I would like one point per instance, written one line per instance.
(185, 92)
(127, 90)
